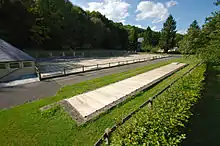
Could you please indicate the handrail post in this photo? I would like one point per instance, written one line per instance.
(150, 104)
(64, 71)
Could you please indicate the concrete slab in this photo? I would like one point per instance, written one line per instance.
(89, 103)
(50, 69)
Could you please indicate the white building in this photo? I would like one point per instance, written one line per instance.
(14, 63)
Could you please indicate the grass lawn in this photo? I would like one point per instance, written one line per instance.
(204, 129)
(26, 125)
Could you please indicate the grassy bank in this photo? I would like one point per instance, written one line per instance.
(204, 126)
(26, 125)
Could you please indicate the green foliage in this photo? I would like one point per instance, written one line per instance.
(16, 20)
(168, 34)
(133, 36)
(179, 38)
(56, 24)
(30, 127)
(155, 49)
(192, 40)
(210, 50)
(217, 2)
(204, 43)
(146, 48)
(164, 123)
(50, 112)
(148, 37)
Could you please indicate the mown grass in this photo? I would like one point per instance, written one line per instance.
(204, 128)
(26, 125)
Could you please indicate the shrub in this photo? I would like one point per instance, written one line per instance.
(164, 123)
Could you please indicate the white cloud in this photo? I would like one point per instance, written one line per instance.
(154, 28)
(116, 10)
(171, 3)
(182, 31)
(140, 26)
(150, 9)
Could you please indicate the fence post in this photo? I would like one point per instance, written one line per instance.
(107, 130)
(83, 68)
(64, 71)
(109, 64)
(150, 104)
(39, 75)
(118, 62)
(97, 66)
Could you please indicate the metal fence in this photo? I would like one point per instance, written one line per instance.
(149, 102)
(80, 69)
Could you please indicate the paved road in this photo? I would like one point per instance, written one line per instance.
(13, 96)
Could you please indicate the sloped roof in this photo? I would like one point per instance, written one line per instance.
(10, 53)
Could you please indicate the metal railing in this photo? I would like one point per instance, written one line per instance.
(149, 102)
(81, 69)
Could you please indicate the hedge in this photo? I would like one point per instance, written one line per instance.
(164, 123)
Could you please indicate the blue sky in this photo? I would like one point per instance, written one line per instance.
(153, 13)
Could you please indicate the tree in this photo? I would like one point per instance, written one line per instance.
(16, 21)
(179, 38)
(210, 50)
(217, 2)
(168, 34)
(155, 38)
(192, 40)
(133, 36)
(147, 43)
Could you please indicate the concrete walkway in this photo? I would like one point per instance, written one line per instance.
(90, 103)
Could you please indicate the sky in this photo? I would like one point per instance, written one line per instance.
(153, 13)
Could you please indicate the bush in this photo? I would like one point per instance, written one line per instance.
(155, 49)
(164, 123)
(147, 48)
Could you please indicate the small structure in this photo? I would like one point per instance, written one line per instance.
(14, 63)
(139, 46)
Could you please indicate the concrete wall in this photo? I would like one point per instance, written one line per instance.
(3, 72)
(18, 74)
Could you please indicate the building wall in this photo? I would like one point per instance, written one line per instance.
(3, 72)
(22, 72)
(19, 74)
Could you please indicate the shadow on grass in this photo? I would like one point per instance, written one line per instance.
(204, 127)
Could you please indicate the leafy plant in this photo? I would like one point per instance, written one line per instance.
(164, 123)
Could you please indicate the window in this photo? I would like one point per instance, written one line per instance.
(14, 65)
(2, 66)
(27, 64)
